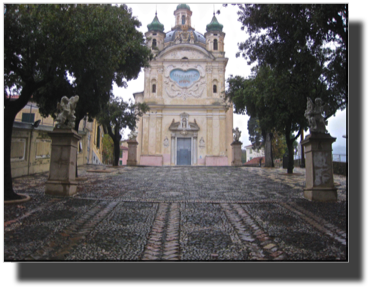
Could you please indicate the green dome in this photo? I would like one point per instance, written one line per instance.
(185, 6)
(156, 25)
(214, 25)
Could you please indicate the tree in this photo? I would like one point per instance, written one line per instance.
(278, 145)
(113, 52)
(255, 134)
(293, 36)
(271, 98)
(52, 51)
(261, 138)
(108, 148)
(117, 115)
(289, 44)
(243, 156)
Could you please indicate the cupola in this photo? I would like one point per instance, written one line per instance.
(183, 6)
(183, 17)
(156, 25)
(214, 25)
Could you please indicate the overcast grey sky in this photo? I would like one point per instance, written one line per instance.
(202, 15)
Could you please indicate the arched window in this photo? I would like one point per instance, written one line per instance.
(214, 89)
(154, 43)
(215, 44)
(154, 88)
(183, 19)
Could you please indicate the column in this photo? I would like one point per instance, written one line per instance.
(319, 168)
(63, 161)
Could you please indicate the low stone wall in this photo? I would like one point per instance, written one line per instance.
(31, 149)
(151, 160)
(216, 161)
(338, 167)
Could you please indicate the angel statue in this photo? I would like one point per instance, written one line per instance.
(66, 109)
(236, 133)
(132, 135)
(313, 114)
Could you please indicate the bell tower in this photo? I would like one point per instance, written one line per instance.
(215, 38)
(155, 35)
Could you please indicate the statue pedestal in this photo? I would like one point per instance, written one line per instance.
(63, 161)
(319, 168)
(132, 152)
(236, 153)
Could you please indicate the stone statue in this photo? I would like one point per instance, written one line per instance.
(313, 114)
(66, 108)
(132, 135)
(236, 133)
(184, 123)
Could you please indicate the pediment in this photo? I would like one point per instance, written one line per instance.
(184, 124)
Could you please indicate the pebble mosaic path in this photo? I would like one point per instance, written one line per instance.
(176, 214)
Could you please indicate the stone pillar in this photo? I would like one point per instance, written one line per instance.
(319, 168)
(132, 152)
(236, 153)
(63, 161)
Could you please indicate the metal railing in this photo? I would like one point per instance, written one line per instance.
(341, 158)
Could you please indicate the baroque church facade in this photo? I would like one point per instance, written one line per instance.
(188, 122)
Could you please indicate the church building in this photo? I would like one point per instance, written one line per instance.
(188, 122)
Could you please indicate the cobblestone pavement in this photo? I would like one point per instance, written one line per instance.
(176, 214)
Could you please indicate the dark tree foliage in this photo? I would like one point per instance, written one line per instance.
(59, 50)
(300, 37)
(111, 50)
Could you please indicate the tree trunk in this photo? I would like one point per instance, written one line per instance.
(76, 128)
(116, 152)
(289, 144)
(268, 150)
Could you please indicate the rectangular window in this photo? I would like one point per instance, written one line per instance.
(121, 162)
(121, 153)
(27, 117)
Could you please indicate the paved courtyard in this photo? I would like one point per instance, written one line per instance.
(176, 214)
